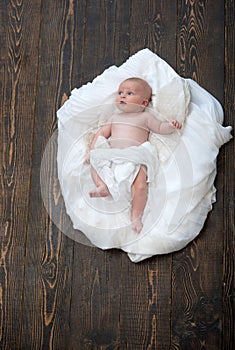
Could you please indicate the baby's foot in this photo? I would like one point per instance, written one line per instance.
(101, 191)
(137, 225)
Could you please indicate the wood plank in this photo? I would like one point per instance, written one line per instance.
(153, 25)
(106, 42)
(49, 253)
(229, 234)
(200, 44)
(145, 304)
(95, 299)
(197, 279)
(18, 69)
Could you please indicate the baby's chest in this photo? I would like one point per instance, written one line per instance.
(125, 121)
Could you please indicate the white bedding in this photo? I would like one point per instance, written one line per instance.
(181, 190)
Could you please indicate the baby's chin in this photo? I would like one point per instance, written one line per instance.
(129, 107)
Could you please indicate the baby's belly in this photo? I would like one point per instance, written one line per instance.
(123, 142)
(127, 136)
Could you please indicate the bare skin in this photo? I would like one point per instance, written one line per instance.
(131, 127)
(139, 199)
(101, 189)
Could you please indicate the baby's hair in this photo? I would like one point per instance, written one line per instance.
(144, 83)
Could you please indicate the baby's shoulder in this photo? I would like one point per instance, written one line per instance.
(147, 115)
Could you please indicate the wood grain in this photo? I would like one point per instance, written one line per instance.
(109, 21)
(19, 64)
(229, 232)
(153, 25)
(200, 43)
(197, 274)
(49, 256)
(196, 316)
(95, 299)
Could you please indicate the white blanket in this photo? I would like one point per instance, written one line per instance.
(181, 191)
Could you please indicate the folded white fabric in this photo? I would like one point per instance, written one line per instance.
(182, 190)
(119, 167)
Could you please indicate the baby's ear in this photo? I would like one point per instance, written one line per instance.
(145, 102)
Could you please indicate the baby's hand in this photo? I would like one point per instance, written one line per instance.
(176, 124)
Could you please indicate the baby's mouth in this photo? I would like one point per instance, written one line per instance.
(122, 103)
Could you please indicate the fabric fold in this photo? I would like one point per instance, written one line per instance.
(119, 167)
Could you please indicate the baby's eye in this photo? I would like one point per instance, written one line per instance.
(130, 93)
(120, 93)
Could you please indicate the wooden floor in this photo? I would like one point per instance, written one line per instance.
(58, 294)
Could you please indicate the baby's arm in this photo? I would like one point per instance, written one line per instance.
(160, 127)
(105, 131)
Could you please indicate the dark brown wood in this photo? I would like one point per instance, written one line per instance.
(49, 253)
(197, 270)
(228, 153)
(200, 43)
(106, 36)
(153, 25)
(59, 294)
(19, 65)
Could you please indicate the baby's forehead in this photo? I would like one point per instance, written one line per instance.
(128, 84)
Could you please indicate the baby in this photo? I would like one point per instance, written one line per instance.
(131, 127)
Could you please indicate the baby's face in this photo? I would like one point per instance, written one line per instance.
(131, 97)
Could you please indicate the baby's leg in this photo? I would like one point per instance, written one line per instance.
(139, 199)
(101, 189)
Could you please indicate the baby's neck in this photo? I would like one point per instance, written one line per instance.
(131, 114)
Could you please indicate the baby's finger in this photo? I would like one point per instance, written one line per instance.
(176, 124)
